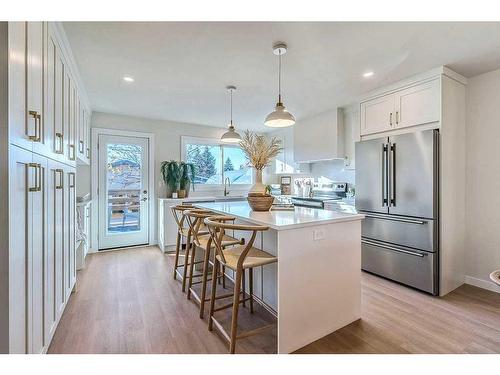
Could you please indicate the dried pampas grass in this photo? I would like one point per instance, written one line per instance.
(258, 150)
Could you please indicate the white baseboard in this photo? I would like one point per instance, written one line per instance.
(484, 284)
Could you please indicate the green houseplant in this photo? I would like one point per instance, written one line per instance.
(171, 176)
(178, 177)
(187, 173)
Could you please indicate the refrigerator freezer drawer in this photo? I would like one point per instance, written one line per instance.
(405, 231)
(413, 268)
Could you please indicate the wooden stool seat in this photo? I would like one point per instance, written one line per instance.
(226, 241)
(254, 258)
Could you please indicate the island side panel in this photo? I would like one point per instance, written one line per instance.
(319, 282)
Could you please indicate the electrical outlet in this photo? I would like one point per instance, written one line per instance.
(318, 234)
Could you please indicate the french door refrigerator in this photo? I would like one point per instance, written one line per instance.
(397, 190)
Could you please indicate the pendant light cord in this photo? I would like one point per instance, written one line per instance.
(279, 77)
(231, 104)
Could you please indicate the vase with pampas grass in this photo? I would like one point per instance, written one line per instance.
(259, 151)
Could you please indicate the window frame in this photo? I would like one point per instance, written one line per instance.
(213, 142)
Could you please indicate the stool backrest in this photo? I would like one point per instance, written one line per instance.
(178, 212)
(217, 225)
(195, 218)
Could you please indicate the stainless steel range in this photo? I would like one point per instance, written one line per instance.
(321, 195)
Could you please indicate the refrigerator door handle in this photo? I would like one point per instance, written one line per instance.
(409, 221)
(378, 244)
(384, 176)
(393, 175)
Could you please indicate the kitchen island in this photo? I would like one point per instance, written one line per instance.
(315, 287)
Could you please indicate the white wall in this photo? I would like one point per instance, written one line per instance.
(483, 178)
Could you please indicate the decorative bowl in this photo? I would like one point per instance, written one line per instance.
(495, 277)
(259, 202)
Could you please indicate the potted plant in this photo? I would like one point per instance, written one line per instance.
(259, 152)
(171, 176)
(187, 172)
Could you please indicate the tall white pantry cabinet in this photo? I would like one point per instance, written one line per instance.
(44, 121)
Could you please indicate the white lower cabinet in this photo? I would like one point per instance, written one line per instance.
(41, 254)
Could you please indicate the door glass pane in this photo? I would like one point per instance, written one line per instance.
(123, 188)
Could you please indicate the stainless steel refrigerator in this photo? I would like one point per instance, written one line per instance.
(397, 189)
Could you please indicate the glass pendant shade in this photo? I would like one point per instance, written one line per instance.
(230, 136)
(279, 118)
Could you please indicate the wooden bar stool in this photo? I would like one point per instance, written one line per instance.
(182, 232)
(238, 259)
(201, 239)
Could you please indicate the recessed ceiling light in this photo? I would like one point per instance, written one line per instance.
(367, 74)
(128, 79)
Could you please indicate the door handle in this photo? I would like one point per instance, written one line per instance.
(393, 175)
(397, 117)
(390, 119)
(384, 175)
(80, 147)
(71, 180)
(60, 173)
(72, 155)
(414, 253)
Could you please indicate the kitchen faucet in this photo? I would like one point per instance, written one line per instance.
(227, 183)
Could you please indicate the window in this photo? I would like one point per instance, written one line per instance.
(215, 162)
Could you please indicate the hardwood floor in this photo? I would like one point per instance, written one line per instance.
(128, 302)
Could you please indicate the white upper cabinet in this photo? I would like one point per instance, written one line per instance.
(418, 105)
(319, 137)
(377, 114)
(284, 163)
(351, 135)
(413, 105)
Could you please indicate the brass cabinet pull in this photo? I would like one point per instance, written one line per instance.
(38, 120)
(59, 143)
(71, 179)
(390, 119)
(35, 166)
(397, 117)
(72, 155)
(60, 172)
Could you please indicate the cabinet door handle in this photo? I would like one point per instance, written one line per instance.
(38, 119)
(72, 155)
(59, 143)
(88, 153)
(390, 119)
(60, 173)
(71, 180)
(397, 117)
(80, 147)
(35, 166)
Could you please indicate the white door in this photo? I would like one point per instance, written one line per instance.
(123, 191)
(418, 105)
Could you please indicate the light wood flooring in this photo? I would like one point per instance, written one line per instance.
(128, 302)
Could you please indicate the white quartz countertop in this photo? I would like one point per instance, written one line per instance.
(280, 220)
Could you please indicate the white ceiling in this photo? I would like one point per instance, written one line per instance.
(181, 68)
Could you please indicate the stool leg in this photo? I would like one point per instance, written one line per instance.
(236, 304)
(224, 277)
(191, 270)
(212, 295)
(243, 278)
(177, 250)
(250, 281)
(186, 262)
(204, 281)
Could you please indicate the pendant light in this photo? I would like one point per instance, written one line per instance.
(231, 136)
(280, 117)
